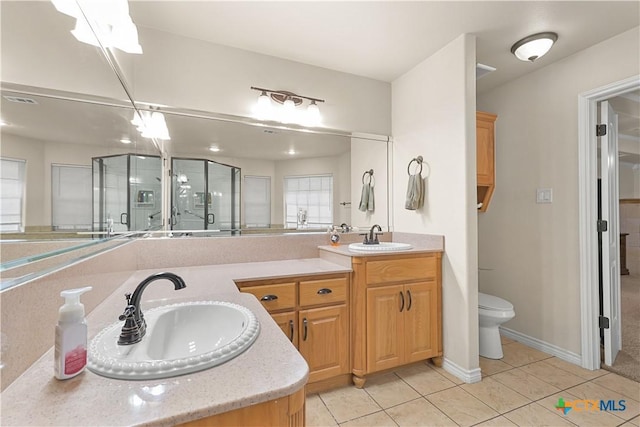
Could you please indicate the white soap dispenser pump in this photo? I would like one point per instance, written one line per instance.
(71, 336)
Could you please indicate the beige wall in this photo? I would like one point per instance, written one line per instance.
(189, 73)
(531, 250)
(434, 116)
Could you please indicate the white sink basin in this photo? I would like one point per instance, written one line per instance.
(381, 247)
(180, 339)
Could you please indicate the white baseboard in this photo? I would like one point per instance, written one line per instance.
(466, 375)
(552, 349)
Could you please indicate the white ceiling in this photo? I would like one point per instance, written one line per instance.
(384, 39)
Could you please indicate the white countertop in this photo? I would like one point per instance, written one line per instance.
(269, 369)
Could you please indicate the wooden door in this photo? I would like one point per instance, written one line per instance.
(385, 329)
(421, 321)
(485, 148)
(287, 322)
(323, 335)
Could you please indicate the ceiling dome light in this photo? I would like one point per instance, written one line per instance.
(533, 47)
(214, 149)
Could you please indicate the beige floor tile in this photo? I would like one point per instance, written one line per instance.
(496, 395)
(591, 390)
(505, 340)
(379, 419)
(389, 390)
(633, 422)
(500, 421)
(536, 415)
(516, 354)
(317, 414)
(424, 379)
(586, 418)
(461, 406)
(419, 412)
(555, 376)
(492, 366)
(348, 403)
(625, 386)
(525, 384)
(575, 369)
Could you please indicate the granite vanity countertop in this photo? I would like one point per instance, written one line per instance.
(269, 369)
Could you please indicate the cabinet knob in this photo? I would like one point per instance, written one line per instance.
(324, 291)
(269, 297)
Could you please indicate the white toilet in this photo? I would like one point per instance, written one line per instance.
(493, 312)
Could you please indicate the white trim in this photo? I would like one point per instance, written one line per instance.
(544, 346)
(469, 376)
(587, 189)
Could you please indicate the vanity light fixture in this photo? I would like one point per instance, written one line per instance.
(102, 23)
(288, 113)
(533, 47)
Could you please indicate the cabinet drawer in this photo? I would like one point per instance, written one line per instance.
(274, 297)
(398, 270)
(324, 291)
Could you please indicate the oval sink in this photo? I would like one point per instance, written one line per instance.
(180, 339)
(381, 247)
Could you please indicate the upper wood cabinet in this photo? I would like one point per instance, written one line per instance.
(485, 157)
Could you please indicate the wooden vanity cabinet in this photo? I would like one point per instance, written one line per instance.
(485, 158)
(313, 312)
(397, 312)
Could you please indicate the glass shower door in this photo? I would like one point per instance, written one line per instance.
(224, 186)
(110, 187)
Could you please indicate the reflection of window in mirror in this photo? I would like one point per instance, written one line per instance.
(313, 196)
(12, 185)
(145, 198)
(257, 201)
(71, 197)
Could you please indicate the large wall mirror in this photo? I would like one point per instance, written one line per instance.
(68, 118)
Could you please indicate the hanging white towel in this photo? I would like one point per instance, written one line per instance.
(415, 192)
(364, 198)
(371, 205)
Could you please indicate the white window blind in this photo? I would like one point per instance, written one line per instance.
(257, 201)
(11, 194)
(71, 194)
(308, 201)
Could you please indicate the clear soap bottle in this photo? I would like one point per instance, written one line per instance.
(71, 336)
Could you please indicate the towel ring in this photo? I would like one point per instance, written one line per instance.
(370, 173)
(418, 160)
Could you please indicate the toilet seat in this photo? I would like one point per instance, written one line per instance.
(491, 302)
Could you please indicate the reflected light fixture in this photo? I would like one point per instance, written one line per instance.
(289, 112)
(102, 23)
(533, 47)
(151, 124)
(214, 149)
(125, 141)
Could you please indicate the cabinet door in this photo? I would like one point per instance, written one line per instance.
(324, 341)
(385, 328)
(421, 321)
(485, 151)
(287, 322)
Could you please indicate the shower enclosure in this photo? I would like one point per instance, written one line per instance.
(127, 193)
(205, 195)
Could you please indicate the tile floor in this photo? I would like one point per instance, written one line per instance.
(522, 389)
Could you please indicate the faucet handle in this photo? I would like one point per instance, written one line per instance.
(128, 313)
(366, 238)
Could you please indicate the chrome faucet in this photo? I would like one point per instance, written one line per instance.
(135, 326)
(372, 237)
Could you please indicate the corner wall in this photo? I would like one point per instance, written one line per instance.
(528, 252)
(433, 115)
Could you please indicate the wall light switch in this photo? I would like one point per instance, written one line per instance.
(544, 195)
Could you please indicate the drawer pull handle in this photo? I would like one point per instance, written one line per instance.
(269, 297)
(305, 327)
(402, 301)
(291, 330)
(324, 291)
(409, 295)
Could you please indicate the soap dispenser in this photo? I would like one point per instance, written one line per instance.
(71, 336)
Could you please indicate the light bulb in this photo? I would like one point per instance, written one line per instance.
(313, 114)
(262, 109)
(288, 111)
